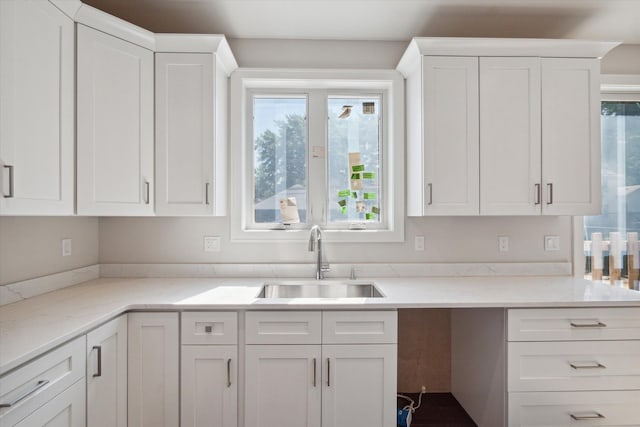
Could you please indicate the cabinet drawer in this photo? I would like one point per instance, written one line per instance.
(283, 327)
(37, 382)
(359, 327)
(574, 365)
(566, 324)
(209, 328)
(66, 409)
(602, 408)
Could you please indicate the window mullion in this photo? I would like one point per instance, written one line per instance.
(317, 125)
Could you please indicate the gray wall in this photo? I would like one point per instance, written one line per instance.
(32, 246)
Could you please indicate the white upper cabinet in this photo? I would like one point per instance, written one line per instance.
(536, 112)
(571, 136)
(510, 136)
(115, 125)
(450, 96)
(37, 57)
(184, 133)
(191, 124)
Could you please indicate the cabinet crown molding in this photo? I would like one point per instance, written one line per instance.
(468, 46)
(198, 43)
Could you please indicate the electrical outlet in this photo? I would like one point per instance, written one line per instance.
(212, 243)
(66, 247)
(551, 243)
(503, 243)
(423, 390)
(418, 243)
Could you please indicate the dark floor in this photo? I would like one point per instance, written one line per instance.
(438, 410)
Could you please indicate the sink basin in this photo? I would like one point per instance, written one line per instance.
(320, 289)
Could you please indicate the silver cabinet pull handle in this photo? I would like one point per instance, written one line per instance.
(538, 194)
(228, 373)
(99, 349)
(582, 365)
(430, 185)
(550, 196)
(147, 186)
(596, 324)
(10, 195)
(206, 193)
(23, 396)
(328, 372)
(585, 417)
(314, 372)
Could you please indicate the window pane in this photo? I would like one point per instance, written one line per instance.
(620, 173)
(353, 170)
(280, 156)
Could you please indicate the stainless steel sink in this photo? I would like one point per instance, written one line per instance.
(319, 289)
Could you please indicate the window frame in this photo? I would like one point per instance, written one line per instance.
(613, 87)
(318, 85)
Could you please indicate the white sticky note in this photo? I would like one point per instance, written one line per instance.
(289, 211)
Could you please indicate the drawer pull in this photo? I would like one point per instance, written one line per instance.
(586, 417)
(582, 365)
(328, 372)
(593, 324)
(20, 398)
(228, 373)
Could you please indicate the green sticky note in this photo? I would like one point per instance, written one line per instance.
(355, 176)
(375, 210)
(342, 202)
(343, 209)
(369, 196)
(344, 193)
(369, 175)
(369, 215)
(354, 195)
(357, 168)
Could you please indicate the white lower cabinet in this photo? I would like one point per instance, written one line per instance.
(359, 385)
(282, 387)
(326, 382)
(65, 410)
(153, 370)
(48, 390)
(567, 366)
(107, 374)
(209, 369)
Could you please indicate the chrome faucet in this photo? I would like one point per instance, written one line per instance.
(315, 239)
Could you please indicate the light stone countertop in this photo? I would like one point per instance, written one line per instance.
(31, 327)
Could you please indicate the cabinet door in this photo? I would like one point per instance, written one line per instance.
(450, 136)
(184, 134)
(359, 385)
(107, 374)
(115, 125)
(208, 384)
(571, 136)
(37, 60)
(282, 386)
(510, 152)
(65, 410)
(153, 348)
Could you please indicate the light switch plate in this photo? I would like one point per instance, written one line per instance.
(66, 247)
(212, 243)
(418, 243)
(503, 243)
(551, 243)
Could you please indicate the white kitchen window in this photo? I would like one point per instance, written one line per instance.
(317, 147)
